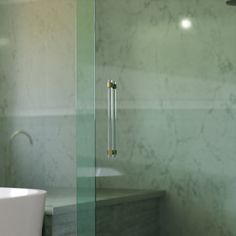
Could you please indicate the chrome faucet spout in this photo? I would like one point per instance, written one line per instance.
(9, 178)
(16, 133)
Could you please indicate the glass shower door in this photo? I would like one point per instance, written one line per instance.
(175, 67)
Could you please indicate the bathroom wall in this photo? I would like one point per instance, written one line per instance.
(176, 107)
(37, 91)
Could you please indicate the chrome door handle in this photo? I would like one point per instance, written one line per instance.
(111, 119)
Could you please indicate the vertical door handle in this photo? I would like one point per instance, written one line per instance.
(111, 119)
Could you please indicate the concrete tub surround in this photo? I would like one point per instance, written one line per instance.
(109, 197)
(121, 212)
(118, 212)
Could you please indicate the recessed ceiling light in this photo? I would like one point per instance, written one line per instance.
(186, 23)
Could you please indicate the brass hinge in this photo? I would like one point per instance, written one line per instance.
(111, 152)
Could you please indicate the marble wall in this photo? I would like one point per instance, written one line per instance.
(38, 91)
(175, 65)
(174, 62)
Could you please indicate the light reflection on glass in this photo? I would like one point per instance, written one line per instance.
(99, 172)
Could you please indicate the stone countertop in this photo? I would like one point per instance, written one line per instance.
(106, 197)
(62, 200)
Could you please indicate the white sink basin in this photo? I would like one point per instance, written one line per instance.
(21, 211)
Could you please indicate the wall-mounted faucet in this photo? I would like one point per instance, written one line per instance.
(8, 164)
(16, 133)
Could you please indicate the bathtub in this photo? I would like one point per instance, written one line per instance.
(21, 212)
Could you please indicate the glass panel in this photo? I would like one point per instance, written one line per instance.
(86, 118)
(38, 98)
(175, 64)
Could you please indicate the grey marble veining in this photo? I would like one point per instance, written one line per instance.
(176, 122)
(176, 107)
(37, 91)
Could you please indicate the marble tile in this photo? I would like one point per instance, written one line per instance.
(37, 87)
(176, 107)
